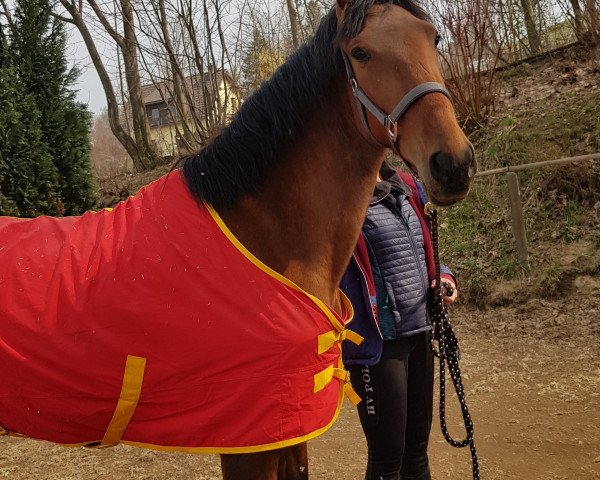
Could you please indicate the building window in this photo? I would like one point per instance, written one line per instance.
(155, 116)
(161, 114)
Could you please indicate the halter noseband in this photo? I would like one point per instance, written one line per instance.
(389, 122)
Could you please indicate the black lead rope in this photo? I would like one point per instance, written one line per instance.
(448, 353)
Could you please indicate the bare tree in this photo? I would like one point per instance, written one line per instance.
(198, 78)
(578, 18)
(179, 46)
(294, 22)
(593, 11)
(533, 34)
(266, 43)
(472, 52)
(177, 78)
(591, 22)
(5, 11)
(585, 17)
(139, 147)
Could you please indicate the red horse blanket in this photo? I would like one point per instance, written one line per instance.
(151, 325)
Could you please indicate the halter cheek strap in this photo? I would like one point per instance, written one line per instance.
(389, 122)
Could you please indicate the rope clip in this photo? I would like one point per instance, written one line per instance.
(429, 209)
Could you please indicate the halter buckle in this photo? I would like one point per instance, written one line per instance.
(392, 128)
(354, 85)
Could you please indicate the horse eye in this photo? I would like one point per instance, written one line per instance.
(359, 54)
(438, 39)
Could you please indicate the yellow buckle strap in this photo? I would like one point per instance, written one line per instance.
(351, 394)
(3, 431)
(128, 400)
(353, 337)
(324, 378)
(328, 339)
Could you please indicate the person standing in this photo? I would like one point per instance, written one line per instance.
(388, 282)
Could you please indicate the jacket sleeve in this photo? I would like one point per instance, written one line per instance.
(358, 286)
(447, 273)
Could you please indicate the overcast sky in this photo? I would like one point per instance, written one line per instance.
(89, 89)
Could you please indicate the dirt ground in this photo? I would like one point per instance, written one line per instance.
(532, 377)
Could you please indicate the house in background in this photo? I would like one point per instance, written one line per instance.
(209, 101)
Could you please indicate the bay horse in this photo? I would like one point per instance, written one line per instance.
(286, 185)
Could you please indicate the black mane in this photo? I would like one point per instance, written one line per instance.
(356, 12)
(274, 117)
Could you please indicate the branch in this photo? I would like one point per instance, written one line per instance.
(106, 24)
(61, 18)
(7, 14)
(113, 108)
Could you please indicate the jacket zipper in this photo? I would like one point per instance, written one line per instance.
(412, 242)
(363, 280)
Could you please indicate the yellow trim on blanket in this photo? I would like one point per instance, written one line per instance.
(257, 448)
(277, 276)
(128, 400)
(228, 450)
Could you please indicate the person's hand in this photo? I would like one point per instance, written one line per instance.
(448, 286)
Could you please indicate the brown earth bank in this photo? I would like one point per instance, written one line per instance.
(532, 376)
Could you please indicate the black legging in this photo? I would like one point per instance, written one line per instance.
(396, 410)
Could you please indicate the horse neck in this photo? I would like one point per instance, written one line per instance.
(305, 220)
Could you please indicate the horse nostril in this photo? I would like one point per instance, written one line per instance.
(441, 166)
(453, 172)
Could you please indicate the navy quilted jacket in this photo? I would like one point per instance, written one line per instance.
(389, 291)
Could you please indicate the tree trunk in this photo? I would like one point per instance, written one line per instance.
(294, 24)
(533, 34)
(200, 118)
(578, 19)
(592, 9)
(139, 119)
(111, 100)
(177, 78)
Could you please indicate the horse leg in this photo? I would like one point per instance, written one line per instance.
(250, 466)
(293, 464)
(289, 463)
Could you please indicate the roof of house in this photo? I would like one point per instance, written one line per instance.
(200, 87)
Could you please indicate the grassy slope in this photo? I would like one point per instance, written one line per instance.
(552, 111)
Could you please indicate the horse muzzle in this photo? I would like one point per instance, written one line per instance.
(451, 176)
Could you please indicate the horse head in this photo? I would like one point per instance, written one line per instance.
(390, 52)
